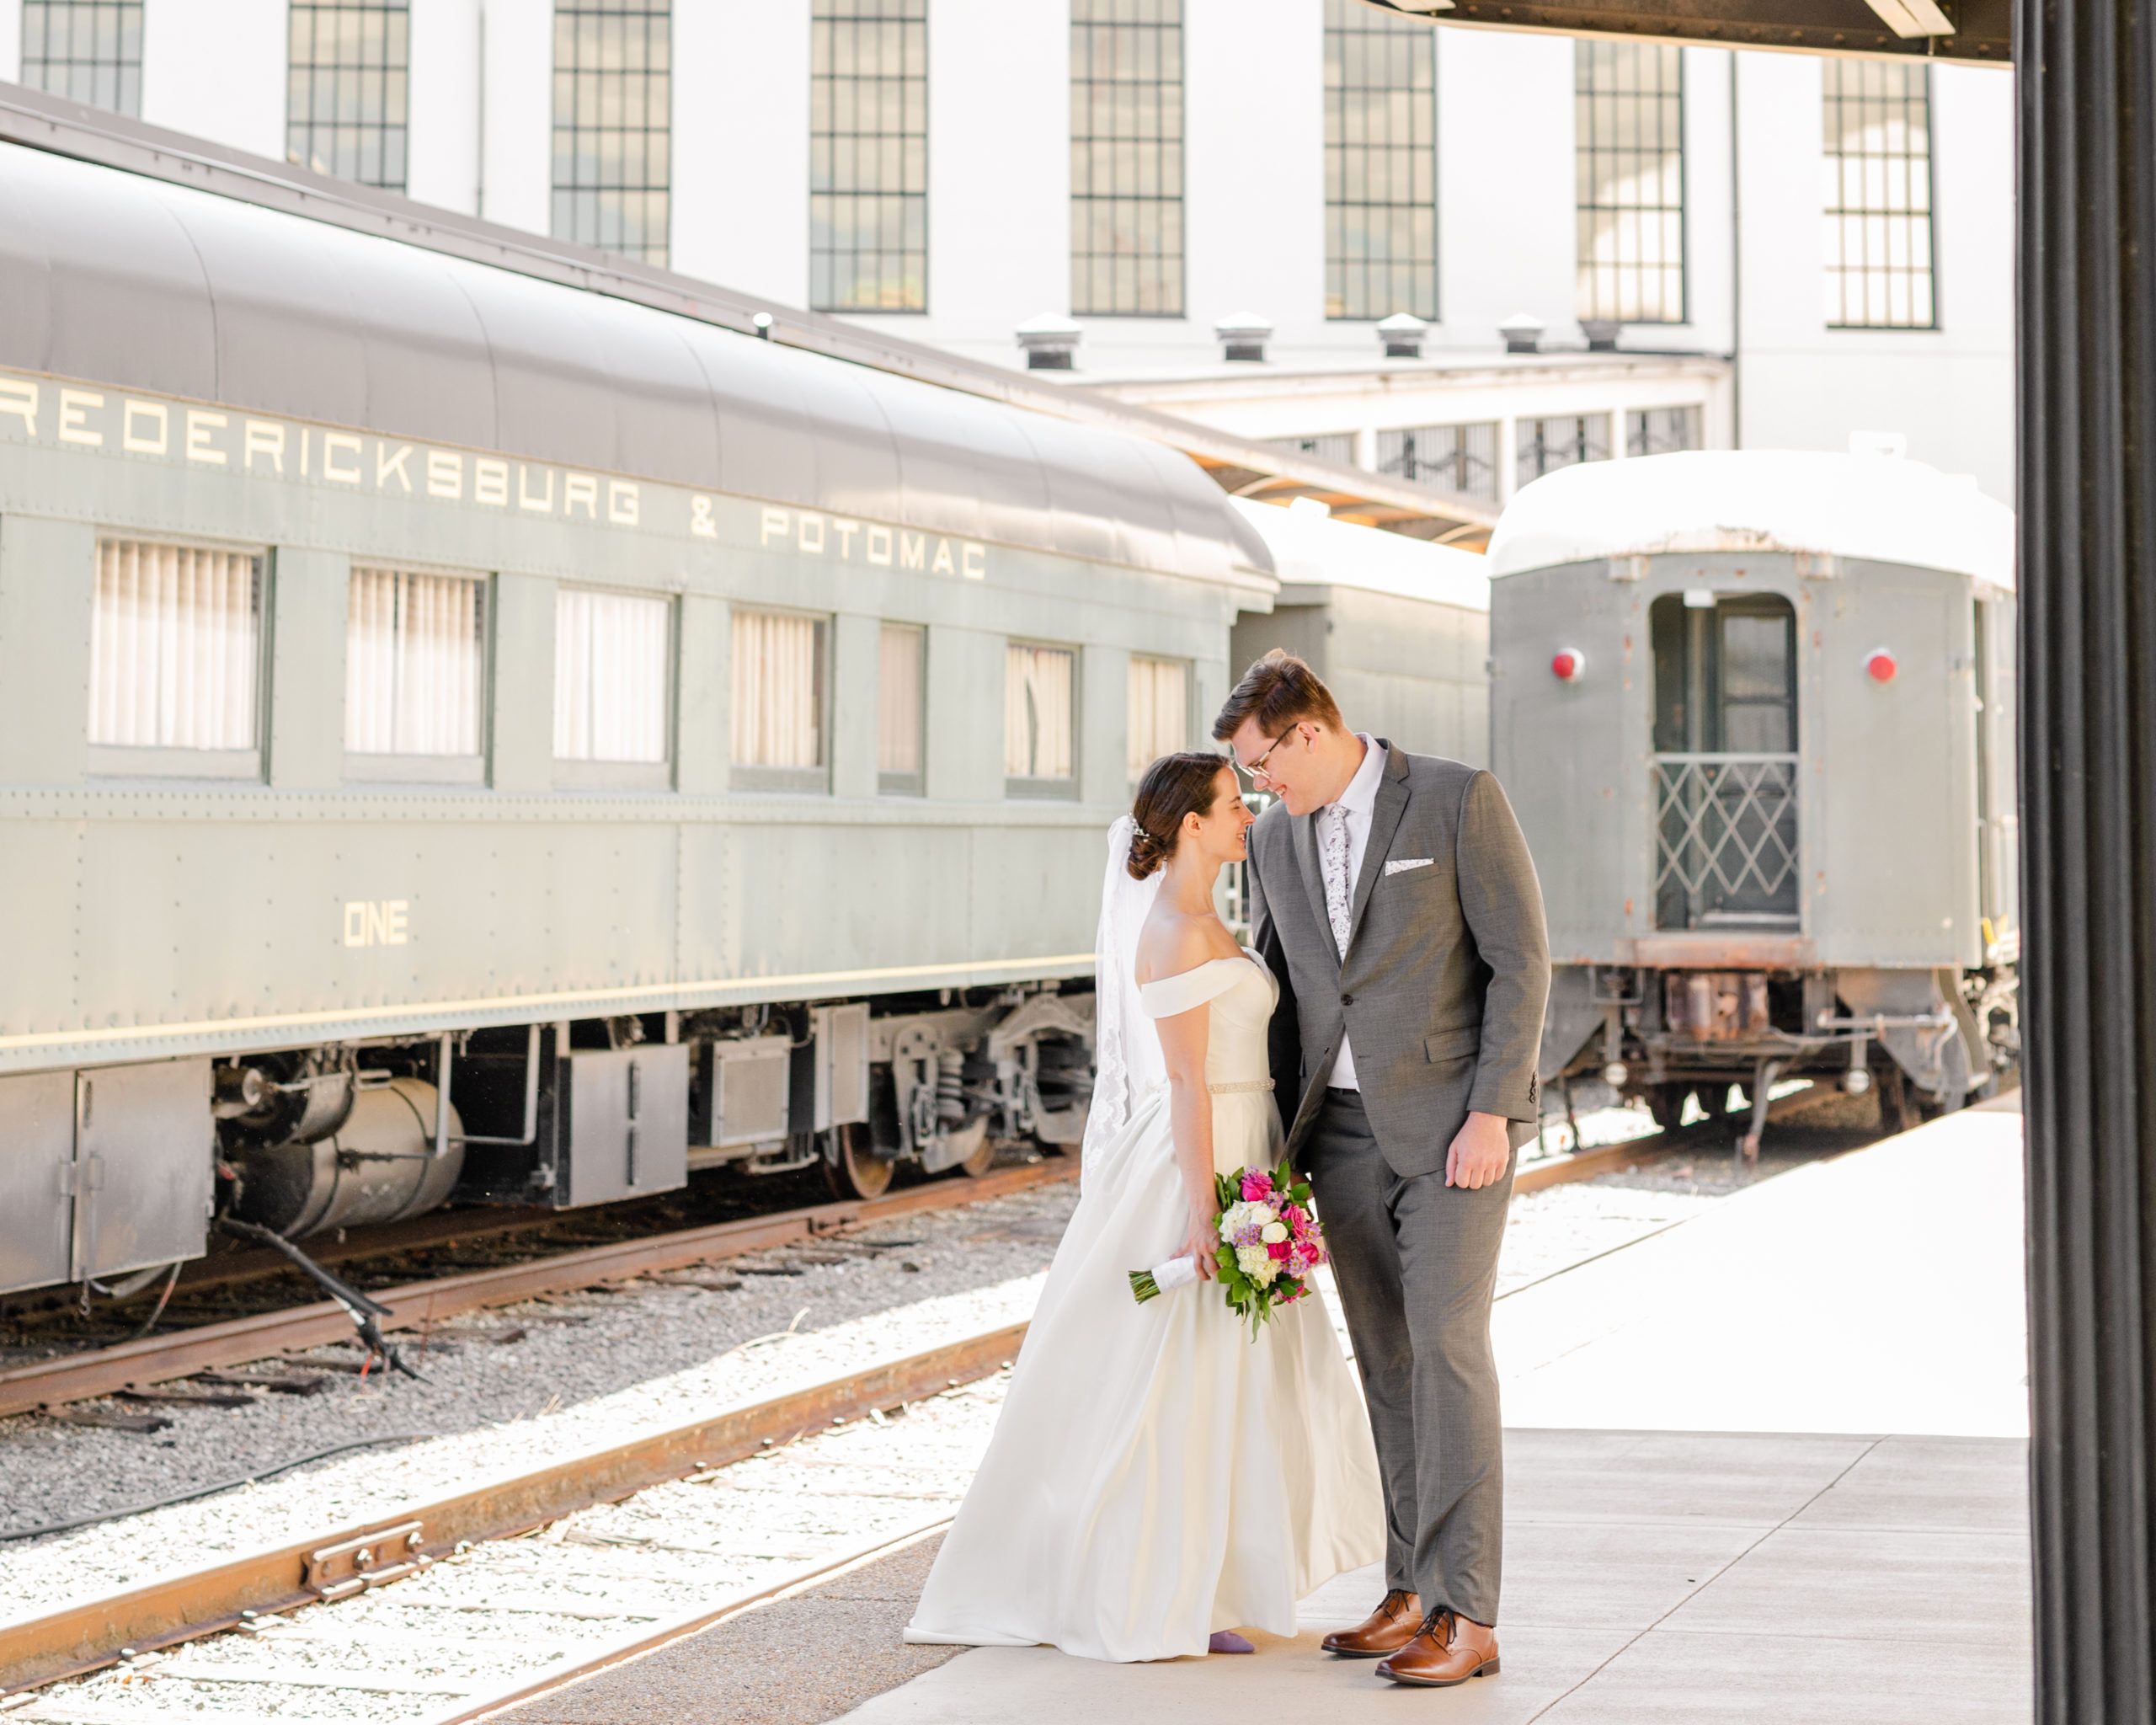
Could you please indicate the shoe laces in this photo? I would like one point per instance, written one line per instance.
(1431, 1619)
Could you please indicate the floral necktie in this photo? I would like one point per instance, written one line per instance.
(1332, 863)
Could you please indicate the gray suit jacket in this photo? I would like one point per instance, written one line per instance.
(1447, 965)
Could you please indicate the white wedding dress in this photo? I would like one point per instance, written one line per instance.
(1156, 1474)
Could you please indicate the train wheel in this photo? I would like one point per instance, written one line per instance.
(856, 1171)
(981, 1157)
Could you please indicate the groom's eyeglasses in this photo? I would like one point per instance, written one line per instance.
(1257, 768)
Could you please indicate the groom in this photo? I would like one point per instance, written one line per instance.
(1394, 898)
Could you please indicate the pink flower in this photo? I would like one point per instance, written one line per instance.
(1278, 1249)
(1295, 1216)
(1257, 1187)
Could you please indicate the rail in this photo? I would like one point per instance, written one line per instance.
(1725, 839)
(84, 1635)
(78, 1377)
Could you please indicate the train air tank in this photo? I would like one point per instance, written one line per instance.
(378, 1167)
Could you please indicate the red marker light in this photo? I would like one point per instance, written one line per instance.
(1881, 664)
(1569, 663)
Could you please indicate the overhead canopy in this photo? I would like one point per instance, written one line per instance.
(1874, 506)
(1311, 549)
(1977, 32)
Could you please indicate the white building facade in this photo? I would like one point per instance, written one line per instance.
(1764, 249)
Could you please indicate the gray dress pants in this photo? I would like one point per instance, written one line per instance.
(1417, 1263)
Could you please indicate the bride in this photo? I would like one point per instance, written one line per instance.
(1157, 1478)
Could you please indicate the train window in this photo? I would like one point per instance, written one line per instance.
(415, 669)
(1040, 726)
(1563, 441)
(1159, 711)
(176, 659)
(901, 685)
(1661, 430)
(779, 718)
(612, 654)
(1725, 738)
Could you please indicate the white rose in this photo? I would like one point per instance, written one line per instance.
(1274, 1231)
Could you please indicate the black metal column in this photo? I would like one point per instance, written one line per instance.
(2087, 512)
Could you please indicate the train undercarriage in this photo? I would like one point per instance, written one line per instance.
(129, 1168)
(1927, 1041)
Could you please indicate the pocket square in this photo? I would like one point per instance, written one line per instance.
(1401, 865)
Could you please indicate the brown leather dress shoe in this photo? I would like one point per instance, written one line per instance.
(1386, 1630)
(1447, 1649)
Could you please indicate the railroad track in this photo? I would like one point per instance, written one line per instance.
(592, 1557)
(585, 1604)
(218, 1346)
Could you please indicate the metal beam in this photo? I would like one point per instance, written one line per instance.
(2087, 357)
(1981, 31)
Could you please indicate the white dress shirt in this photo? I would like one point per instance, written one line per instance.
(1358, 802)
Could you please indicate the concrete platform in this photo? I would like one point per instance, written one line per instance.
(1769, 1464)
(1653, 1579)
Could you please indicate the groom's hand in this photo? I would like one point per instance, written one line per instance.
(1478, 1152)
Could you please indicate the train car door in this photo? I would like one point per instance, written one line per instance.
(1726, 760)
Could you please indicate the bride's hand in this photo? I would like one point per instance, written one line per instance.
(1204, 1240)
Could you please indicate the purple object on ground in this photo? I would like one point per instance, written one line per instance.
(1226, 1641)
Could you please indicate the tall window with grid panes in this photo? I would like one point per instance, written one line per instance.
(1126, 159)
(868, 156)
(88, 51)
(1629, 119)
(1877, 163)
(1380, 164)
(345, 88)
(613, 125)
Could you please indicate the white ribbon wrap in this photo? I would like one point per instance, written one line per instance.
(1176, 1273)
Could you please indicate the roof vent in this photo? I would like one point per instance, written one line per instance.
(1601, 333)
(1243, 335)
(1522, 333)
(1050, 341)
(1402, 336)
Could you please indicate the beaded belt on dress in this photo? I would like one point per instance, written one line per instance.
(1240, 1085)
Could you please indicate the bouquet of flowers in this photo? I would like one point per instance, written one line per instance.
(1269, 1244)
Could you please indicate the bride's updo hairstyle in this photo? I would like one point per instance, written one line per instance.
(1174, 786)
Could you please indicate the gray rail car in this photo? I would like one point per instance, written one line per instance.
(1755, 711)
(1399, 629)
(461, 736)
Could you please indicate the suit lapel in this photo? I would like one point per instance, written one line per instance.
(1391, 804)
(1305, 828)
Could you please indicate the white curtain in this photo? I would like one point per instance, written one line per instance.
(414, 663)
(898, 699)
(1037, 717)
(609, 675)
(1159, 711)
(778, 690)
(175, 647)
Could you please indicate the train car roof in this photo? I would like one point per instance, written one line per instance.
(1309, 548)
(1883, 508)
(123, 279)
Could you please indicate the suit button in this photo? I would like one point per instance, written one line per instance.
(1347, 1000)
